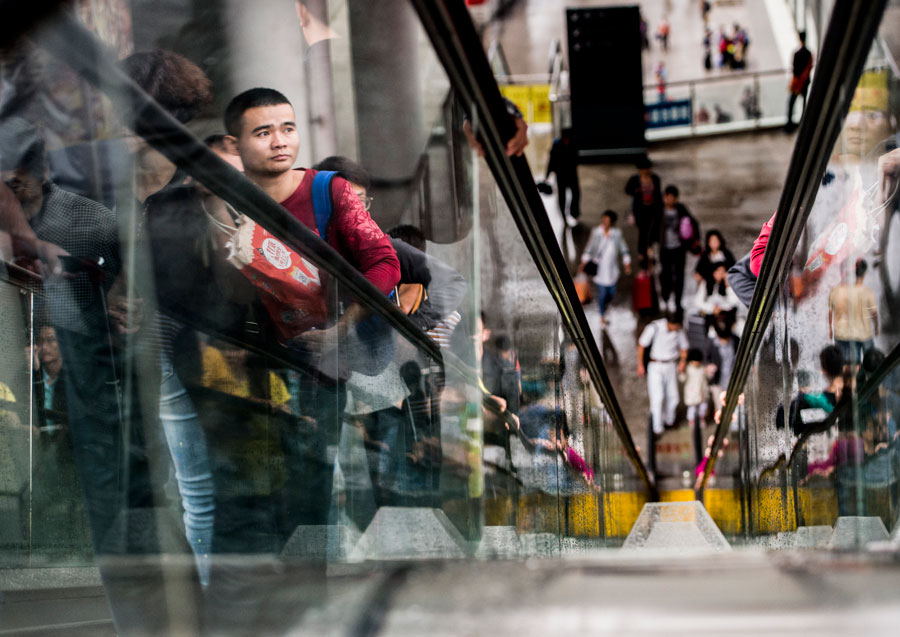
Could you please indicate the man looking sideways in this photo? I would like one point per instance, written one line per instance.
(262, 129)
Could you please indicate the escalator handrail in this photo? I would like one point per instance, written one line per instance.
(457, 44)
(850, 34)
(77, 47)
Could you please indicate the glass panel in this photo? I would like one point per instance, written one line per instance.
(205, 404)
(824, 449)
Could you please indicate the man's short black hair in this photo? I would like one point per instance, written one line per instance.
(22, 147)
(723, 330)
(861, 268)
(613, 217)
(251, 98)
(832, 361)
(502, 342)
(694, 354)
(802, 36)
(414, 237)
(676, 317)
(216, 140)
(644, 163)
(347, 169)
(671, 190)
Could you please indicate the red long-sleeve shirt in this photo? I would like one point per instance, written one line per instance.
(759, 246)
(351, 231)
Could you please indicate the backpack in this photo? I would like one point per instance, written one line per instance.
(369, 347)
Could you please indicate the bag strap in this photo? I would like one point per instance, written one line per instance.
(321, 196)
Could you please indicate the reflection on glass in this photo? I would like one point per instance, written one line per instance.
(193, 401)
(828, 449)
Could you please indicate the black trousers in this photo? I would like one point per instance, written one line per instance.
(562, 185)
(792, 100)
(671, 278)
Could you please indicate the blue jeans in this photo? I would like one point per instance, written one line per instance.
(853, 351)
(190, 456)
(605, 294)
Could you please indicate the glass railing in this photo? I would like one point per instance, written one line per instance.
(813, 428)
(214, 413)
(728, 103)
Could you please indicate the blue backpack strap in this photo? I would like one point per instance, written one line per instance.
(321, 196)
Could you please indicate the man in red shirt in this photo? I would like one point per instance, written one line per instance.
(262, 130)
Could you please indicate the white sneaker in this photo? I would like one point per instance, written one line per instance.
(671, 305)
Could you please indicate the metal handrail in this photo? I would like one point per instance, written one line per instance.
(495, 53)
(456, 43)
(851, 32)
(735, 75)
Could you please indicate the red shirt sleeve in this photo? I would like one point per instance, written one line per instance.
(361, 241)
(759, 246)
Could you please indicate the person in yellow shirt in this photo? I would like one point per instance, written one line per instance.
(251, 438)
(853, 316)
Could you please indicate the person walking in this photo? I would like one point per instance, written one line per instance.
(678, 233)
(645, 190)
(667, 345)
(564, 162)
(600, 260)
(801, 68)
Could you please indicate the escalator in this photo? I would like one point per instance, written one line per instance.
(428, 442)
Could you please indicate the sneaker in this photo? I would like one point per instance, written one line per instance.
(670, 305)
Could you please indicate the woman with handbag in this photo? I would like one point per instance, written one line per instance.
(600, 260)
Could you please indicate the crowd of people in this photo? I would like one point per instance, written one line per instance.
(671, 348)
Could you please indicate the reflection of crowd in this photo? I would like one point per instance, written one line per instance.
(226, 375)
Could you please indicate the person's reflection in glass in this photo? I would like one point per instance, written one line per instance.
(853, 316)
(810, 408)
(75, 305)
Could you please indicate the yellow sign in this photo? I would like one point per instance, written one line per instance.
(532, 99)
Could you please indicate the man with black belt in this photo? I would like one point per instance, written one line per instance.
(665, 341)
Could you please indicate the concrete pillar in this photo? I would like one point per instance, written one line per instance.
(266, 49)
(389, 104)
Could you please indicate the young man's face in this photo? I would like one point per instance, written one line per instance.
(268, 142)
(670, 200)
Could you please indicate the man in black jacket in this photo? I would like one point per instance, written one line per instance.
(564, 162)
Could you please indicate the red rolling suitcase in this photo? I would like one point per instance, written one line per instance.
(642, 292)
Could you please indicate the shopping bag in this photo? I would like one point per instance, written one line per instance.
(289, 286)
(584, 289)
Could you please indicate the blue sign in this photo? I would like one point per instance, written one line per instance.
(673, 113)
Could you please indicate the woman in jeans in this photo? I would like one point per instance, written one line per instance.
(603, 250)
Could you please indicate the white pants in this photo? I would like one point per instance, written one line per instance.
(662, 386)
(696, 410)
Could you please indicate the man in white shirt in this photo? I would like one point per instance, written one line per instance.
(668, 347)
